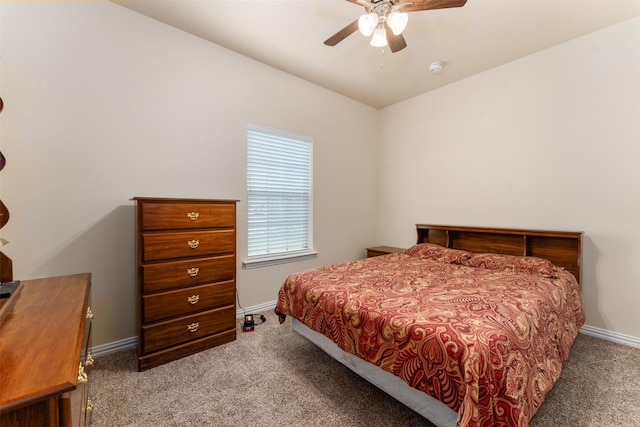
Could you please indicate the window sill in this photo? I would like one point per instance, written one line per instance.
(266, 262)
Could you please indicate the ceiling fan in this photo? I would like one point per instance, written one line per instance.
(386, 19)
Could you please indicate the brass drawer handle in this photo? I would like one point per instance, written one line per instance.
(193, 215)
(193, 327)
(89, 405)
(193, 299)
(89, 313)
(193, 243)
(82, 375)
(88, 360)
(193, 272)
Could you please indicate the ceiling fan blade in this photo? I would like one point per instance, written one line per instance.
(342, 34)
(361, 2)
(432, 4)
(395, 43)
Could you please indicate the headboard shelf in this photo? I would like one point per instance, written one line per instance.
(562, 248)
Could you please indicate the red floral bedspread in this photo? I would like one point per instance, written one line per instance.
(486, 334)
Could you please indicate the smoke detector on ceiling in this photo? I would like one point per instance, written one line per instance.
(435, 67)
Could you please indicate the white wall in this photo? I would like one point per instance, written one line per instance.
(551, 141)
(103, 104)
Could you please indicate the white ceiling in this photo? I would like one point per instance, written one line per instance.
(289, 35)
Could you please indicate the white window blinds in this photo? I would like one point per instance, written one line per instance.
(279, 196)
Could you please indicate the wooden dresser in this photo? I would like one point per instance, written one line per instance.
(44, 343)
(186, 267)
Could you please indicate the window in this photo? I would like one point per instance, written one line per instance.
(279, 196)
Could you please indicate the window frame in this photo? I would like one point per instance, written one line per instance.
(277, 136)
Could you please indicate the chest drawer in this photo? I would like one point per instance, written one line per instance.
(187, 328)
(158, 246)
(166, 216)
(187, 301)
(179, 274)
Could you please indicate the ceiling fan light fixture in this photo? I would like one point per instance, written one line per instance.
(397, 21)
(387, 17)
(379, 38)
(367, 23)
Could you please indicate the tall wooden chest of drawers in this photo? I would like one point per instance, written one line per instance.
(186, 268)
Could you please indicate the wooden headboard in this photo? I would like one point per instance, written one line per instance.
(562, 248)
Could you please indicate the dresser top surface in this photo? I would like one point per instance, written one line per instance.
(41, 339)
(181, 200)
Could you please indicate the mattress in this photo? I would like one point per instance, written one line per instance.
(484, 334)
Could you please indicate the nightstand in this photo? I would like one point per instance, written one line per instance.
(382, 250)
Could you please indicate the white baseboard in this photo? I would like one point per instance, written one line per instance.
(114, 347)
(256, 308)
(132, 342)
(610, 336)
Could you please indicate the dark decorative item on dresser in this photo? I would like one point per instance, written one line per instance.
(44, 354)
(6, 266)
(186, 268)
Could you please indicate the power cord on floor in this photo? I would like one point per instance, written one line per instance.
(262, 320)
(244, 312)
(611, 360)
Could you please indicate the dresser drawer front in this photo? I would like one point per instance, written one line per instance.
(187, 301)
(185, 329)
(158, 246)
(166, 216)
(180, 274)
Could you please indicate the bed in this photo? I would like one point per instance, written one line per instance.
(468, 327)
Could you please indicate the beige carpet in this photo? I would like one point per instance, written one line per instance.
(275, 377)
